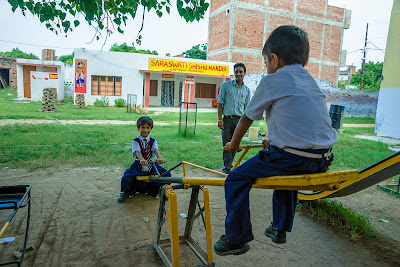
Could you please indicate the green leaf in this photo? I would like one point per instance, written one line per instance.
(66, 24)
(76, 23)
(62, 15)
(119, 29)
(117, 21)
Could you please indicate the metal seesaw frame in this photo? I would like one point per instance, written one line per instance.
(329, 181)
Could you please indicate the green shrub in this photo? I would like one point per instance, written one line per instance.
(102, 102)
(119, 102)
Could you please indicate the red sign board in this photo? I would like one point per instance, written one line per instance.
(189, 79)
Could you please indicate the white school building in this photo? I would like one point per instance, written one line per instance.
(154, 80)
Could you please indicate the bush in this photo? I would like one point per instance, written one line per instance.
(102, 102)
(119, 102)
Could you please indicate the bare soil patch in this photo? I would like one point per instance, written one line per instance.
(76, 221)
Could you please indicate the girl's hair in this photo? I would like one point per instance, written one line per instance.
(144, 120)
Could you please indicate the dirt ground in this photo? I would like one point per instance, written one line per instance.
(77, 221)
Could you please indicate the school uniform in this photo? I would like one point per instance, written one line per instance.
(301, 138)
(129, 184)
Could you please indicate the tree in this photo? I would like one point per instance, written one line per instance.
(372, 76)
(198, 51)
(67, 59)
(105, 16)
(18, 54)
(130, 49)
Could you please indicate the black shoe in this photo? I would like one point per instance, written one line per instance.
(226, 171)
(223, 247)
(276, 235)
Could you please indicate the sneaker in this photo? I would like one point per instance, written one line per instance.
(276, 235)
(123, 196)
(223, 247)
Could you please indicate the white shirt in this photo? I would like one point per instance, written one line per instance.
(295, 109)
(136, 146)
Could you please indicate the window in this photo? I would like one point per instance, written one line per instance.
(205, 90)
(153, 87)
(106, 85)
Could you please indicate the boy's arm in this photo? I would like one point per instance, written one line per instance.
(241, 129)
(158, 155)
(139, 156)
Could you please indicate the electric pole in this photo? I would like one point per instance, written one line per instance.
(363, 60)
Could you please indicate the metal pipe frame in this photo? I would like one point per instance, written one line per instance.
(171, 217)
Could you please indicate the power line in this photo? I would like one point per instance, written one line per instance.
(377, 47)
(48, 46)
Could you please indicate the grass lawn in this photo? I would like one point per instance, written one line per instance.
(44, 145)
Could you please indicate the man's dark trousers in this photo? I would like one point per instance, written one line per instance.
(227, 133)
(273, 162)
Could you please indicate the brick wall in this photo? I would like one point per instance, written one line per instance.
(8, 63)
(240, 34)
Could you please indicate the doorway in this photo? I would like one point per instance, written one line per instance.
(4, 78)
(167, 93)
(27, 80)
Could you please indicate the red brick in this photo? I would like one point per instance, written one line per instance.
(253, 67)
(282, 4)
(219, 57)
(8, 64)
(315, 8)
(256, 2)
(329, 73)
(237, 57)
(313, 68)
(215, 4)
(274, 21)
(218, 36)
(249, 28)
(333, 39)
(335, 13)
(314, 31)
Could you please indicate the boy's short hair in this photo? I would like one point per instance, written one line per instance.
(239, 65)
(288, 42)
(144, 120)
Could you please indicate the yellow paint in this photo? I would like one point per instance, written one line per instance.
(4, 229)
(207, 215)
(180, 66)
(391, 65)
(173, 226)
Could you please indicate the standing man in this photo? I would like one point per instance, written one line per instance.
(233, 99)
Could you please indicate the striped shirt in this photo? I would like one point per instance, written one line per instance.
(136, 146)
(233, 98)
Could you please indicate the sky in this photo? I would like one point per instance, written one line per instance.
(171, 34)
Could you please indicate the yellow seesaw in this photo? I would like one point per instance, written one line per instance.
(319, 185)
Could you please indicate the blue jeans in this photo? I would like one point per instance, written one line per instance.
(237, 186)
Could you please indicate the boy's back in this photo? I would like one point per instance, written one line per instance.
(295, 107)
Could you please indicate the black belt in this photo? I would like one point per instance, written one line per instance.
(232, 116)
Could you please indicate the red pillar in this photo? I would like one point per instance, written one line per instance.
(147, 90)
(186, 92)
(191, 94)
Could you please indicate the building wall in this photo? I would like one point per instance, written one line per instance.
(38, 90)
(356, 103)
(131, 67)
(8, 63)
(238, 30)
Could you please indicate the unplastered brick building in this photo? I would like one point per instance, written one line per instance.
(238, 30)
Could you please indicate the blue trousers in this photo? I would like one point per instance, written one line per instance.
(132, 186)
(271, 162)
